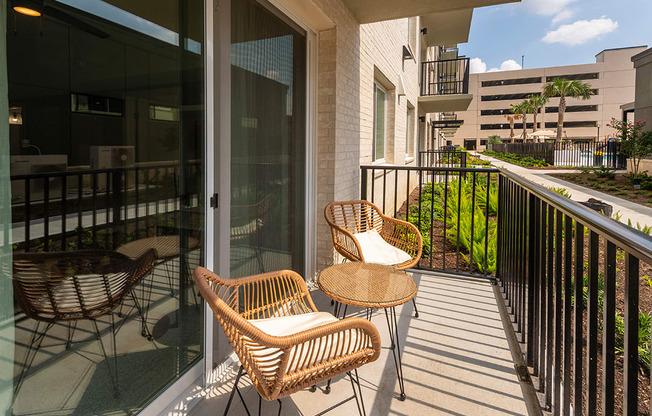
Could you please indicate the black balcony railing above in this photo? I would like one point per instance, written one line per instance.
(445, 77)
(575, 282)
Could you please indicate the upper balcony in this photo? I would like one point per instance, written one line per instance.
(445, 85)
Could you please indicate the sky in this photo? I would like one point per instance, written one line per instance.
(554, 32)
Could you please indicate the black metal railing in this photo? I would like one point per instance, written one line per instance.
(570, 276)
(98, 208)
(442, 158)
(445, 77)
(550, 250)
(438, 201)
(577, 154)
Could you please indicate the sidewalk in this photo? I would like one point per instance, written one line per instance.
(629, 210)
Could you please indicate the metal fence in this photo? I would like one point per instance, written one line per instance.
(445, 77)
(577, 154)
(442, 158)
(98, 208)
(437, 201)
(569, 276)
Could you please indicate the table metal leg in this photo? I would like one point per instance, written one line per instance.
(392, 324)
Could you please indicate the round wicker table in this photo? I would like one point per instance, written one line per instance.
(371, 286)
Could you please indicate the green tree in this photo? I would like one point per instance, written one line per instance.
(562, 88)
(636, 143)
(536, 103)
(521, 109)
(511, 118)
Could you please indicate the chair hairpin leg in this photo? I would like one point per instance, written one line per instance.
(357, 391)
(234, 390)
(114, 377)
(37, 338)
(280, 406)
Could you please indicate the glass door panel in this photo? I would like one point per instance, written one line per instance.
(268, 102)
(106, 138)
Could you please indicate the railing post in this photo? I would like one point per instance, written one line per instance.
(532, 223)
(499, 228)
(116, 206)
(363, 184)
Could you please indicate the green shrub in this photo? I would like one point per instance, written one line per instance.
(525, 161)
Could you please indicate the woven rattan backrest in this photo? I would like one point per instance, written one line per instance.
(257, 299)
(354, 216)
(71, 285)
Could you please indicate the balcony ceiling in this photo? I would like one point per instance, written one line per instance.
(446, 27)
(369, 11)
(441, 103)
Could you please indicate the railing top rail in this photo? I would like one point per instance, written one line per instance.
(446, 60)
(428, 169)
(627, 238)
(41, 175)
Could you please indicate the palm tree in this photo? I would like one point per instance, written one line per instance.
(512, 118)
(521, 109)
(536, 102)
(562, 88)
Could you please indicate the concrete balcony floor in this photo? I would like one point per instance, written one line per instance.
(456, 361)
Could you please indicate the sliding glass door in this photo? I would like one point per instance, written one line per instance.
(104, 144)
(268, 140)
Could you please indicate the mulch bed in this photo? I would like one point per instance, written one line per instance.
(618, 187)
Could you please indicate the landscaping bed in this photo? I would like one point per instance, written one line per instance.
(618, 186)
(524, 161)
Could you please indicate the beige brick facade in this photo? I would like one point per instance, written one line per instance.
(350, 58)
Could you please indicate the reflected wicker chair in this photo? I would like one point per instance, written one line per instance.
(351, 217)
(71, 286)
(281, 340)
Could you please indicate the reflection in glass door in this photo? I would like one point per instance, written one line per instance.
(106, 117)
(268, 141)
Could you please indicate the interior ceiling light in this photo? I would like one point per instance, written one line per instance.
(27, 11)
(28, 8)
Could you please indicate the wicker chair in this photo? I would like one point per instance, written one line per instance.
(352, 217)
(281, 340)
(71, 286)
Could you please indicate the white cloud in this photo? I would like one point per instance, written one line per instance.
(546, 7)
(508, 65)
(581, 31)
(477, 66)
(562, 16)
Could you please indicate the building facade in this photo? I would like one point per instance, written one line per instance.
(612, 78)
(160, 136)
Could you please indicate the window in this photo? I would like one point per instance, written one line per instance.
(499, 112)
(409, 131)
(483, 142)
(592, 75)
(573, 108)
(505, 126)
(500, 97)
(570, 124)
(380, 120)
(515, 81)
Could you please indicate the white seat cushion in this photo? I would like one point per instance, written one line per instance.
(300, 356)
(376, 250)
(288, 325)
